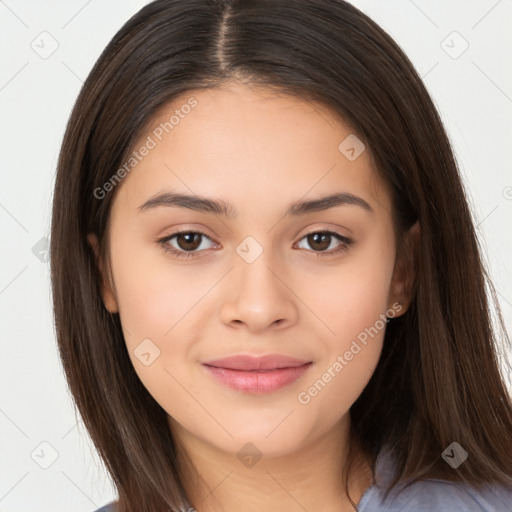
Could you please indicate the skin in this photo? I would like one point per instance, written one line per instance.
(259, 151)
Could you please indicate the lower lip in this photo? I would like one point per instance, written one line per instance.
(257, 381)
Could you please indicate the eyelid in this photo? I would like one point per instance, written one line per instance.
(325, 230)
(181, 230)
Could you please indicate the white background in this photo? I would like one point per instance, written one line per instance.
(473, 93)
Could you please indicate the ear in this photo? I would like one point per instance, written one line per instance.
(404, 274)
(107, 288)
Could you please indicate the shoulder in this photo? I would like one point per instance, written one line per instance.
(439, 495)
(431, 494)
(106, 508)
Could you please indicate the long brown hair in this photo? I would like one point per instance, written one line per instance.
(438, 379)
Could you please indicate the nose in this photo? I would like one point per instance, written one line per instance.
(260, 297)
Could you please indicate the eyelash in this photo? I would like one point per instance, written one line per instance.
(346, 242)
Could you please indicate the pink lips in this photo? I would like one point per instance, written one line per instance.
(257, 374)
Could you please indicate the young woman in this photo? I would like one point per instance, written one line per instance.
(267, 286)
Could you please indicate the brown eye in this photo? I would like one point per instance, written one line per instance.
(188, 241)
(185, 243)
(320, 241)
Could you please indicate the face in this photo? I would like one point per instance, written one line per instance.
(278, 272)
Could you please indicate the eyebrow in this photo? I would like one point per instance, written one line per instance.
(222, 208)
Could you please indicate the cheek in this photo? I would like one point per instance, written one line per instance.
(154, 294)
(350, 354)
(339, 382)
(352, 300)
(156, 309)
(161, 307)
(350, 296)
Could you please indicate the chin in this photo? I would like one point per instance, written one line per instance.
(264, 439)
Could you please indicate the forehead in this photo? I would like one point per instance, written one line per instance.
(250, 145)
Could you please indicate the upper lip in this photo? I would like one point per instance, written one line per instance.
(247, 363)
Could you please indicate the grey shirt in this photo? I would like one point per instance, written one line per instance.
(424, 496)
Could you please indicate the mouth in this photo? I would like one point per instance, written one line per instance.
(257, 374)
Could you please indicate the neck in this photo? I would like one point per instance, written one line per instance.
(311, 476)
